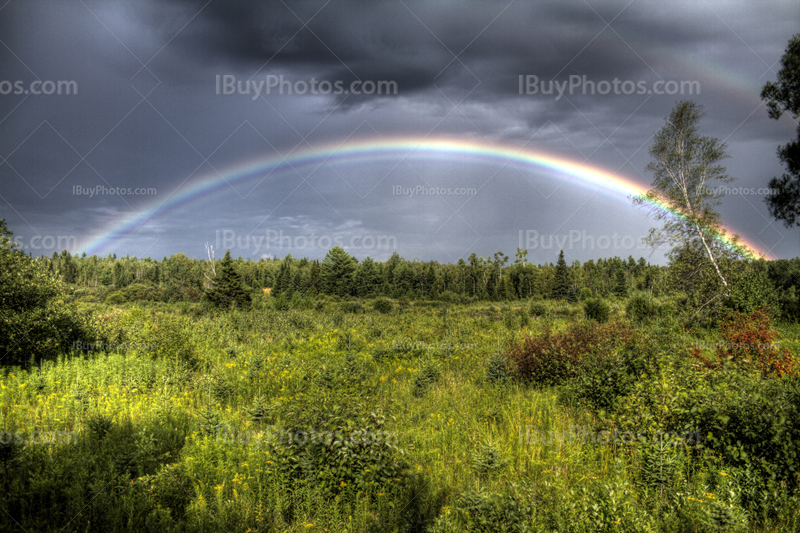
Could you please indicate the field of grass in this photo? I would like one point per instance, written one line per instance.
(342, 418)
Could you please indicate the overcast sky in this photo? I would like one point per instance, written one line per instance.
(150, 113)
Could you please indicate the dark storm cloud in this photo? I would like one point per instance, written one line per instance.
(440, 53)
(438, 44)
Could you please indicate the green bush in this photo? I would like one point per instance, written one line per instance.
(383, 305)
(281, 303)
(597, 309)
(427, 376)
(36, 321)
(352, 307)
(538, 309)
(641, 307)
(497, 370)
(450, 297)
(604, 374)
(751, 289)
(115, 298)
(487, 512)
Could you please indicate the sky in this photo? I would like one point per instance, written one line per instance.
(433, 129)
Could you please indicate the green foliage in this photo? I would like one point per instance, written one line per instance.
(606, 373)
(281, 302)
(338, 272)
(352, 307)
(561, 281)
(784, 97)
(279, 423)
(227, 290)
(487, 512)
(497, 369)
(752, 289)
(660, 467)
(358, 456)
(488, 458)
(428, 374)
(36, 321)
(641, 307)
(597, 309)
(383, 305)
(538, 309)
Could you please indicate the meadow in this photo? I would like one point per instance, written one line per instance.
(400, 415)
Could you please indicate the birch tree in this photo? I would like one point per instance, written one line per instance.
(687, 177)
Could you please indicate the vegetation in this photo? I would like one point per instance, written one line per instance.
(784, 97)
(684, 166)
(196, 419)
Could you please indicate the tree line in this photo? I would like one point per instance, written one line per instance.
(493, 278)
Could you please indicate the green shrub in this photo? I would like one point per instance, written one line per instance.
(487, 512)
(488, 458)
(351, 307)
(450, 297)
(597, 309)
(751, 289)
(497, 370)
(115, 298)
(383, 305)
(641, 307)
(427, 375)
(538, 309)
(280, 302)
(36, 321)
(603, 376)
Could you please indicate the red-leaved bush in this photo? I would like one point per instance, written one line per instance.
(747, 339)
(554, 358)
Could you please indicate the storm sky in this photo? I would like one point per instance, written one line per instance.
(151, 120)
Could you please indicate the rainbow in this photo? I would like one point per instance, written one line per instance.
(398, 148)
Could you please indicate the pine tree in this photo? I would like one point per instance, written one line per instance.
(561, 282)
(620, 285)
(314, 279)
(227, 290)
(367, 278)
(338, 271)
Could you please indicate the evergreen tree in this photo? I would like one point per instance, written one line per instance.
(784, 97)
(367, 278)
(313, 279)
(227, 290)
(561, 282)
(338, 272)
(620, 284)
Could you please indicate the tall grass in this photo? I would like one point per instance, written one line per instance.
(234, 438)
